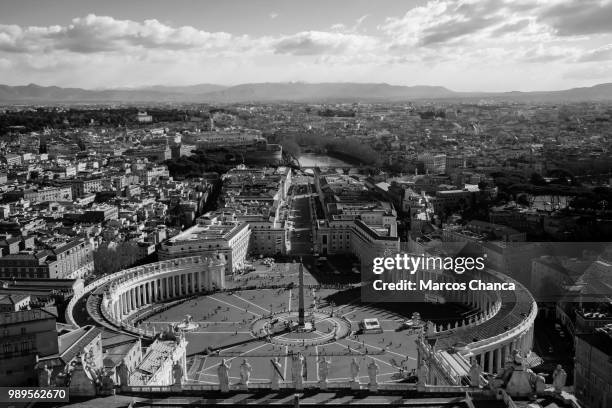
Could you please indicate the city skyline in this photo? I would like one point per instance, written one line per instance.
(461, 45)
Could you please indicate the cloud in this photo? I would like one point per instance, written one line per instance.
(449, 22)
(441, 23)
(93, 34)
(360, 20)
(350, 29)
(579, 17)
(273, 15)
(514, 27)
(455, 29)
(320, 42)
(541, 54)
(599, 54)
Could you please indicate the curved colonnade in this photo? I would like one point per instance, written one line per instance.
(130, 291)
(503, 323)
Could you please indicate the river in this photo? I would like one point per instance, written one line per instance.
(320, 160)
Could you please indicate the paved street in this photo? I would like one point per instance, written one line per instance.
(300, 234)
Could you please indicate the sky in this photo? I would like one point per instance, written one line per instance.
(464, 45)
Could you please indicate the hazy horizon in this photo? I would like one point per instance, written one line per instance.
(462, 45)
(171, 85)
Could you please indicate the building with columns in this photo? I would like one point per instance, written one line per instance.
(137, 288)
(213, 233)
(503, 323)
(122, 294)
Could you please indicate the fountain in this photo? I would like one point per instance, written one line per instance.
(186, 325)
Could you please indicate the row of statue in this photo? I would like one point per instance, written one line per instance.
(81, 376)
(517, 378)
(298, 372)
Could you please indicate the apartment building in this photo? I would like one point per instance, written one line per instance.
(24, 336)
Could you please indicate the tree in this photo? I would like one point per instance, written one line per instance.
(291, 147)
(113, 258)
(522, 200)
(537, 179)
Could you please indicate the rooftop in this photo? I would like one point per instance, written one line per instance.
(601, 340)
(209, 232)
(25, 316)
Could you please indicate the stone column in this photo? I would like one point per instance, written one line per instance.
(123, 305)
(301, 297)
(530, 338)
(498, 360)
(490, 363)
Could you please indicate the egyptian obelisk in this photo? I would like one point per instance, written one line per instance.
(301, 297)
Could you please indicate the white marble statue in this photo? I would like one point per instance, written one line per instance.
(354, 370)
(123, 374)
(297, 370)
(373, 370)
(276, 374)
(44, 376)
(559, 378)
(245, 372)
(323, 369)
(423, 373)
(517, 359)
(475, 374)
(223, 375)
(177, 373)
(522, 380)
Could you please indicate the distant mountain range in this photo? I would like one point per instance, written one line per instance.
(289, 92)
